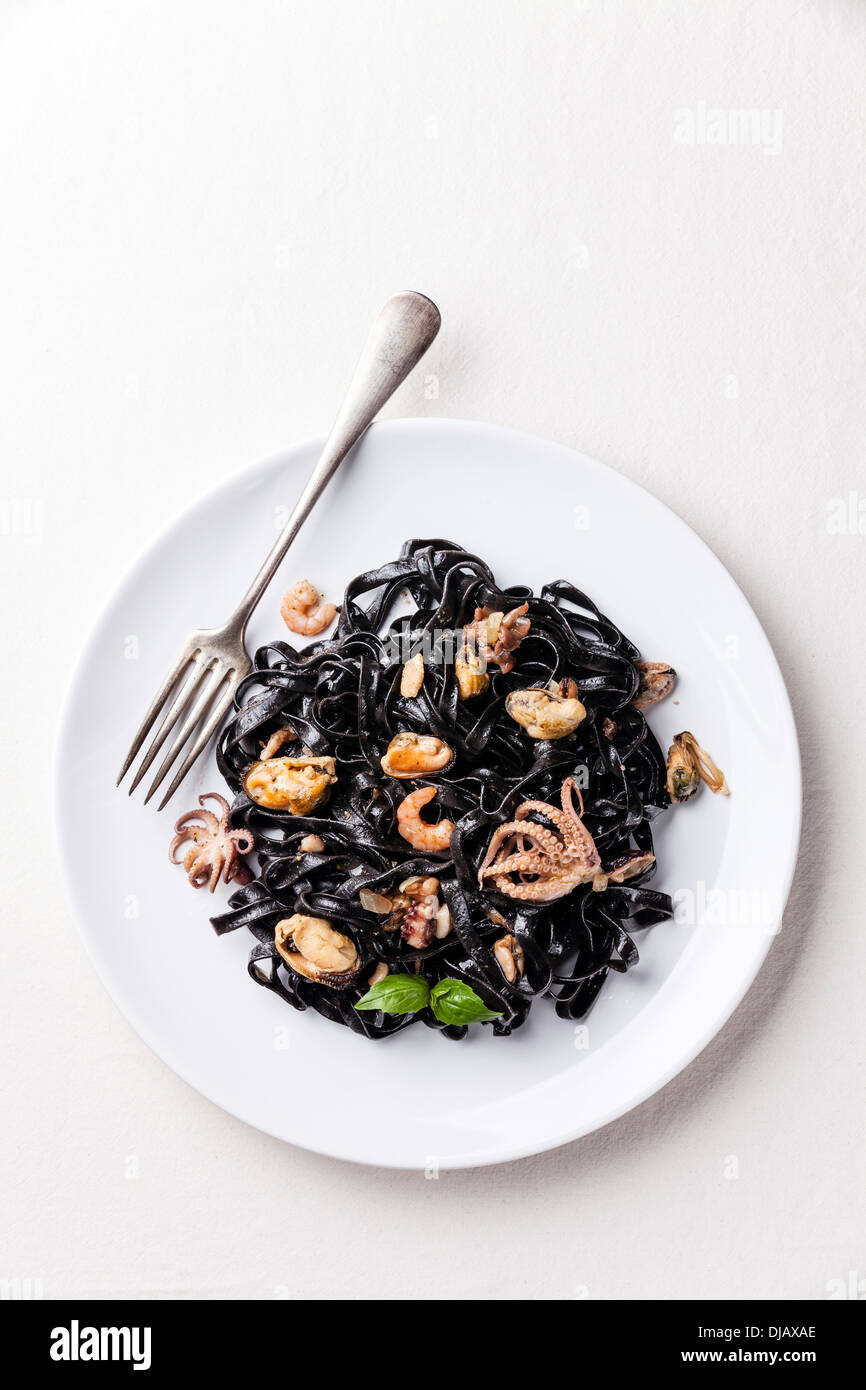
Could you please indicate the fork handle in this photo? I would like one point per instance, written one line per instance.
(404, 329)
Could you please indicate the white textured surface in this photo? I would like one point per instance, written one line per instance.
(204, 203)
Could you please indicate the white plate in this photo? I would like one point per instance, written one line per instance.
(535, 511)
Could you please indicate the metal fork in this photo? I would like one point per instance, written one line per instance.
(201, 686)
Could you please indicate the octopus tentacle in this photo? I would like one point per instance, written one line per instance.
(529, 863)
(578, 834)
(213, 823)
(242, 839)
(544, 890)
(563, 822)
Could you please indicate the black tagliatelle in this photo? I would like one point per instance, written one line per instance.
(342, 697)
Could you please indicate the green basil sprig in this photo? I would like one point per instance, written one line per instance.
(452, 1001)
(397, 994)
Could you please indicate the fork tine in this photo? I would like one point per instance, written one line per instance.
(201, 742)
(179, 705)
(196, 714)
(170, 682)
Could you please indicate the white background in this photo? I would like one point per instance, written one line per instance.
(203, 204)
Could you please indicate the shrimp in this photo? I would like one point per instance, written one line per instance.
(303, 611)
(412, 828)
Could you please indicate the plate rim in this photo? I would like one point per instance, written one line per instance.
(515, 1149)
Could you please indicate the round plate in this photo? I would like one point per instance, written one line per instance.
(536, 511)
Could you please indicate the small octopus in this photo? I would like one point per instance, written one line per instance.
(551, 863)
(214, 847)
(496, 636)
(303, 611)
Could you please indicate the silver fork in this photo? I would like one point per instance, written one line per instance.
(200, 687)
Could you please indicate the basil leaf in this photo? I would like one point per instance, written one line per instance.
(453, 1001)
(397, 994)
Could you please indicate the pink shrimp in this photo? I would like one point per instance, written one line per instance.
(421, 836)
(303, 611)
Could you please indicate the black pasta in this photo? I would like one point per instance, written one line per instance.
(342, 697)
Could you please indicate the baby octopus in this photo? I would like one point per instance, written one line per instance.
(304, 612)
(557, 861)
(214, 848)
(421, 836)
